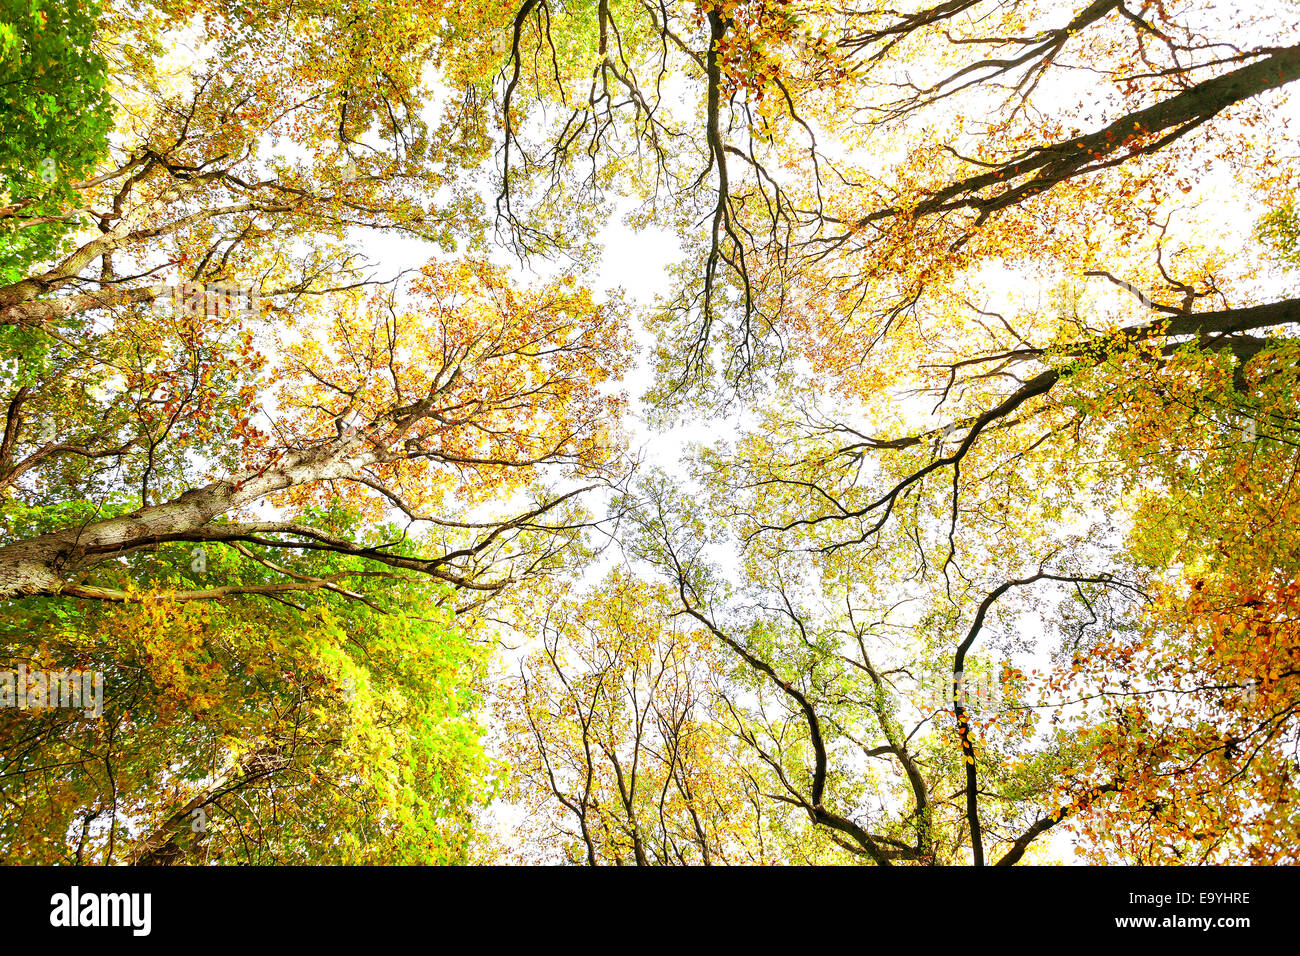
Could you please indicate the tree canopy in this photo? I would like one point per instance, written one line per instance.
(333, 443)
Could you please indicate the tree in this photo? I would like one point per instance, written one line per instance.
(1006, 413)
(623, 747)
(55, 115)
(320, 732)
(142, 397)
(267, 474)
(875, 274)
(1136, 535)
(831, 193)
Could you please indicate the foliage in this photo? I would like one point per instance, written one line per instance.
(55, 116)
(987, 308)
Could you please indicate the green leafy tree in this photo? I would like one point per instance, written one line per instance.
(55, 116)
(316, 728)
